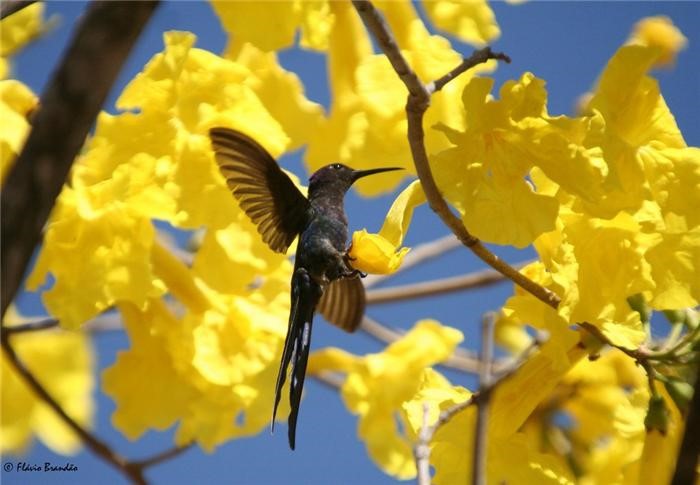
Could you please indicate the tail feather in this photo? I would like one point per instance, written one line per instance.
(305, 296)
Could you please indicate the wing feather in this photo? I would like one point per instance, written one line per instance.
(265, 193)
(343, 303)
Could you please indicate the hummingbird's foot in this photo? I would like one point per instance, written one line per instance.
(354, 273)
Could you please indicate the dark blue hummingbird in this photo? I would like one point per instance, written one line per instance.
(323, 277)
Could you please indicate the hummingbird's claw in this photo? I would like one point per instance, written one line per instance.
(353, 273)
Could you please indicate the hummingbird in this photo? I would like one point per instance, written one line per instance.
(323, 278)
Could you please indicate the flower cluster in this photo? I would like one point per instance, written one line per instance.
(614, 187)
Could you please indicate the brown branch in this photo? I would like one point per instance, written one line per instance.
(160, 457)
(482, 405)
(97, 446)
(416, 105)
(421, 451)
(689, 453)
(9, 7)
(436, 287)
(478, 57)
(68, 109)
(329, 379)
(427, 433)
(30, 326)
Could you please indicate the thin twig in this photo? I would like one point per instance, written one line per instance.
(160, 457)
(100, 449)
(421, 451)
(9, 7)
(482, 405)
(418, 254)
(30, 326)
(426, 436)
(478, 57)
(329, 379)
(416, 105)
(68, 110)
(437, 287)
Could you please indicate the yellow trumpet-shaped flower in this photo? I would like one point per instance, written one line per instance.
(273, 25)
(17, 30)
(16, 104)
(659, 32)
(484, 174)
(512, 456)
(371, 253)
(378, 385)
(63, 363)
(379, 253)
(471, 20)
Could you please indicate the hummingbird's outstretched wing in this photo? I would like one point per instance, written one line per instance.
(266, 194)
(305, 295)
(343, 303)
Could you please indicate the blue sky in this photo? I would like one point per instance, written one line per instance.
(565, 43)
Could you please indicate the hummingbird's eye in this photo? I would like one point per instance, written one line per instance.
(336, 166)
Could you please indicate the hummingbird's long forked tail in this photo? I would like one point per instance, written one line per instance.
(305, 296)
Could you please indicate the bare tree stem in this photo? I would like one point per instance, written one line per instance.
(10, 7)
(98, 447)
(426, 433)
(482, 405)
(686, 470)
(416, 105)
(436, 287)
(67, 111)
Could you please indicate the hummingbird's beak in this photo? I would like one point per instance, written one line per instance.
(358, 174)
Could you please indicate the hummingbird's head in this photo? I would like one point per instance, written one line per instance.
(339, 177)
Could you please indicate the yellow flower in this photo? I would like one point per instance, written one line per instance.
(62, 362)
(371, 253)
(378, 384)
(645, 216)
(281, 92)
(379, 253)
(222, 354)
(98, 250)
(659, 32)
(471, 20)
(367, 124)
(484, 174)
(158, 163)
(16, 104)
(511, 458)
(273, 25)
(17, 30)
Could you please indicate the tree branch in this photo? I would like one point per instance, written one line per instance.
(160, 457)
(97, 446)
(426, 433)
(482, 405)
(421, 451)
(10, 7)
(689, 452)
(436, 287)
(67, 111)
(416, 105)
